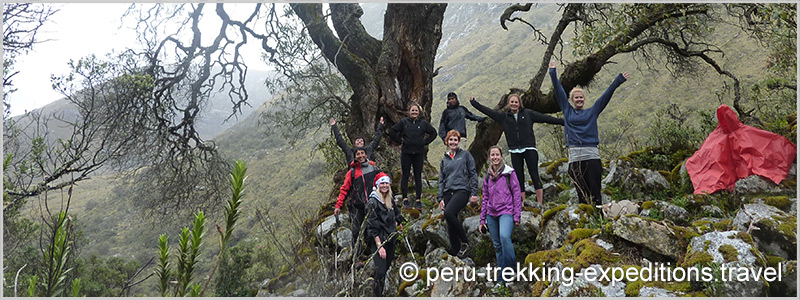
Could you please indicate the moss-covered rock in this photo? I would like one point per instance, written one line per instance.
(774, 231)
(651, 234)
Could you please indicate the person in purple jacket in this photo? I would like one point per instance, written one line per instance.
(501, 209)
(580, 132)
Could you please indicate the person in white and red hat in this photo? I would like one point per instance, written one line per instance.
(383, 217)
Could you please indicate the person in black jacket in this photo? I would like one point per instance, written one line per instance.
(358, 142)
(383, 217)
(458, 181)
(358, 183)
(454, 117)
(411, 133)
(518, 127)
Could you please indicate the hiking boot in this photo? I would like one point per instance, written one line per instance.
(464, 250)
(406, 204)
(418, 204)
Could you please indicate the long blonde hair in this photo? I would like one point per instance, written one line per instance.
(385, 197)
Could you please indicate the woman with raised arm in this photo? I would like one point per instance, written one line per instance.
(349, 152)
(580, 132)
(458, 182)
(517, 125)
(411, 133)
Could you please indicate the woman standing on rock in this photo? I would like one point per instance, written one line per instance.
(518, 128)
(580, 131)
(501, 209)
(410, 132)
(457, 181)
(383, 217)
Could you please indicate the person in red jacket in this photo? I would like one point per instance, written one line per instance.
(357, 186)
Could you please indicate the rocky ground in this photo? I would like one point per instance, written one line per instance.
(656, 222)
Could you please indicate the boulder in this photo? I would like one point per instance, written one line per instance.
(654, 181)
(622, 173)
(529, 227)
(672, 212)
(773, 230)
(648, 291)
(344, 237)
(571, 195)
(618, 171)
(755, 184)
(550, 192)
(712, 211)
(582, 287)
(324, 230)
(787, 286)
(434, 230)
(561, 221)
(731, 251)
(439, 259)
(650, 234)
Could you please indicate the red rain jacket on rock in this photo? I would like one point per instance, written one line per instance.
(734, 151)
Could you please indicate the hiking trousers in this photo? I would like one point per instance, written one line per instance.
(531, 158)
(454, 202)
(500, 228)
(406, 161)
(586, 175)
(382, 265)
(357, 215)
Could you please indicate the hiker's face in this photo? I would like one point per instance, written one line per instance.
(383, 187)
(413, 112)
(513, 103)
(452, 142)
(452, 101)
(495, 156)
(577, 100)
(361, 156)
(359, 143)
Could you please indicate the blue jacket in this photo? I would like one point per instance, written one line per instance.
(580, 126)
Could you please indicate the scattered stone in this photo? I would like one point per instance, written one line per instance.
(582, 287)
(755, 184)
(728, 249)
(773, 230)
(672, 212)
(652, 235)
(560, 222)
(647, 291)
(712, 211)
(451, 288)
(606, 245)
(327, 226)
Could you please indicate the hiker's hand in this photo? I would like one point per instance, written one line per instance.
(382, 252)
(381, 120)
(552, 65)
(516, 223)
(336, 211)
(473, 199)
(441, 204)
(482, 228)
(626, 75)
(332, 121)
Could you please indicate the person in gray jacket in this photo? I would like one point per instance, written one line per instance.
(455, 117)
(458, 181)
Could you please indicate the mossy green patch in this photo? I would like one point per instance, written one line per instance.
(540, 258)
(648, 204)
(703, 225)
(431, 220)
(723, 225)
(696, 258)
(539, 287)
(729, 253)
(534, 210)
(780, 202)
(773, 261)
(553, 167)
(420, 274)
(632, 289)
(787, 226)
(580, 234)
(706, 244)
(551, 212)
(589, 209)
(587, 252)
(744, 236)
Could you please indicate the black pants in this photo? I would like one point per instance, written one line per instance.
(357, 214)
(382, 265)
(406, 161)
(586, 175)
(454, 202)
(531, 158)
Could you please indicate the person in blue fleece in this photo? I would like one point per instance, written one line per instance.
(580, 132)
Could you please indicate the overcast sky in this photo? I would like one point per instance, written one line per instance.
(77, 30)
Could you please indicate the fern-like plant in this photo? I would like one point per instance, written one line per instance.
(56, 256)
(164, 268)
(237, 177)
(189, 249)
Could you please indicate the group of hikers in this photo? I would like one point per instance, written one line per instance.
(371, 198)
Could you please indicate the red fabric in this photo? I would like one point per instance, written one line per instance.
(734, 151)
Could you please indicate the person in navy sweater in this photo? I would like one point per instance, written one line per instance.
(517, 125)
(454, 117)
(580, 132)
